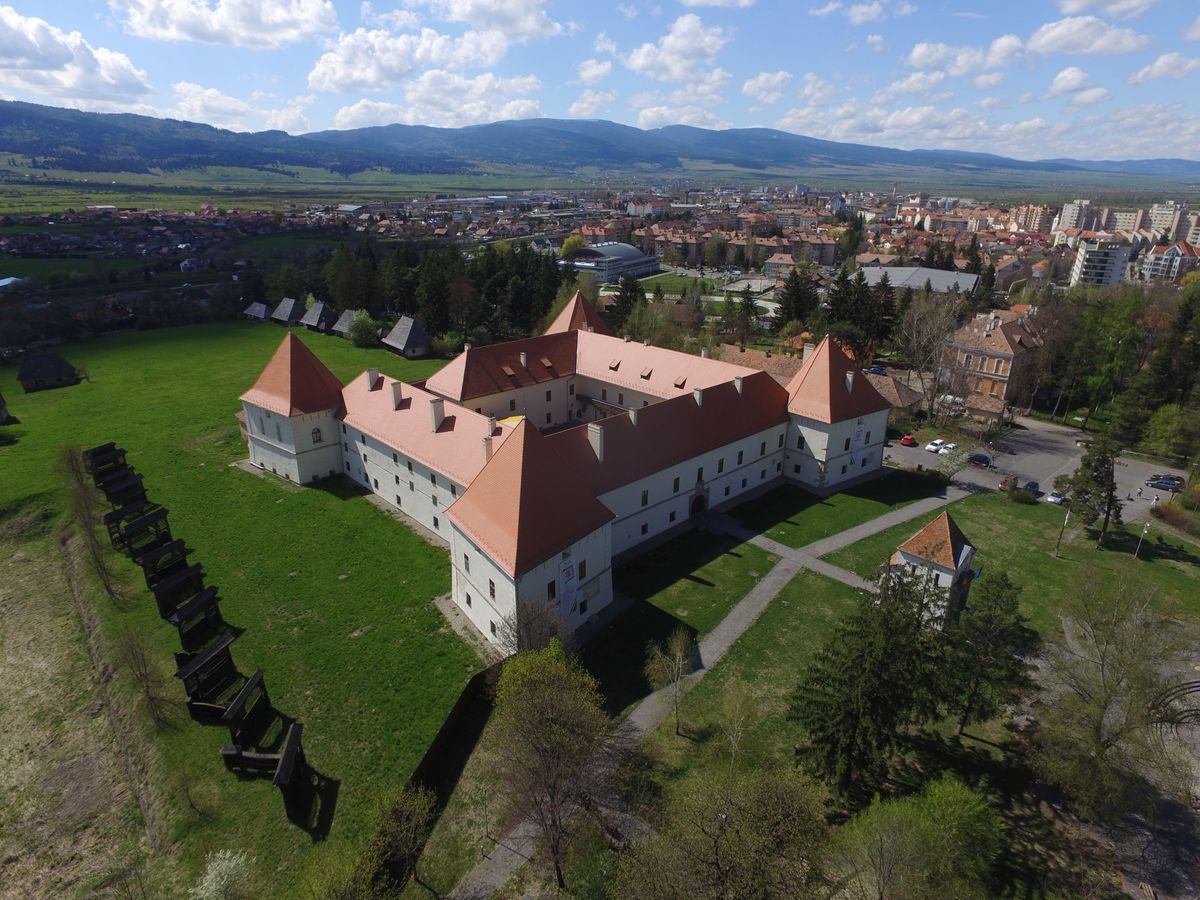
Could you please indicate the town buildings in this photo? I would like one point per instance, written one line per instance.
(942, 553)
(541, 460)
(610, 261)
(1100, 261)
(987, 359)
(1170, 263)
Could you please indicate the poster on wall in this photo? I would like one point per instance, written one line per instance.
(567, 585)
(856, 444)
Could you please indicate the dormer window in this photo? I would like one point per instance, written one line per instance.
(316, 435)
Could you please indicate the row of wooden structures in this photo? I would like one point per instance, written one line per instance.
(216, 690)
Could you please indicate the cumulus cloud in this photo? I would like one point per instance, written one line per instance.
(767, 87)
(593, 70)
(374, 60)
(517, 20)
(590, 102)
(989, 80)
(41, 58)
(604, 44)
(686, 54)
(196, 103)
(1117, 8)
(964, 60)
(862, 13)
(1069, 80)
(450, 100)
(1193, 32)
(1085, 35)
(831, 7)
(291, 117)
(738, 3)
(658, 116)
(1169, 65)
(816, 89)
(865, 12)
(876, 42)
(396, 19)
(246, 23)
(916, 83)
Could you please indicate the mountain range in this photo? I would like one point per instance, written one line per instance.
(54, 138)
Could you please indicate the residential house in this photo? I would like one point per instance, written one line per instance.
(409, 338)
(986, 361)
(941, 553)
(257, 312)
(342, 326)
(288, 311)
(42, 371)
(1170, 263)
(319, 317)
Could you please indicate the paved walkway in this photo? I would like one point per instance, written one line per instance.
(516, 847)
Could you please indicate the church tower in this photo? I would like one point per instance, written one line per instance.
(291, 415)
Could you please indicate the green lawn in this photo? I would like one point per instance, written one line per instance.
(675, 284)
(794, 517)
(333, 595)
(1019, 539)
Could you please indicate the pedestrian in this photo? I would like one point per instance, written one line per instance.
(1128, 496)
(1154, 502)
(1139, 493)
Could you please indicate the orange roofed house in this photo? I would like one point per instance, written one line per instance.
(941, 552)
(540, 460)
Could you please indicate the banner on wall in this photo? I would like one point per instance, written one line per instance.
(567, 585)
(856, 444)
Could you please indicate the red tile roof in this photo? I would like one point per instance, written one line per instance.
(830, 388)
(940, 542)
(578, 315)
(482, 371)
(528, 503)
(295, 382)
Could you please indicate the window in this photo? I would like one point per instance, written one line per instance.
(364, 457)
(466, 563)
(780, 444)
(412, 486)
(397, 479)
(551, 589)
(843, 470)
(547, 396)
(512, 405)
(316, 435)
(796, 469)
(582, 569)
(583, 606)
(762, 474)
(865, 460)
(741, 454)
(645, 528)
(762, 449)
(603, 393)
(343, 428)
(395, 459)
(645, 403)
(398, 503)
(468, 596)
(433, 478)
(479, 409)
(799, 442)
(700, 474)
(726, 490)
(743, 484)
(720, 465)
(675, 486)
(362, 438)
(278, 433)
(645, 497)
(867, 439)
(434, 499)
(345, 446)
(968, 361)
(454, 490)
(493, 627)
(620, 399)
(435, 522)
(347, 467)
(547, 418)
(846, 446)
(671, 517)
(491, 589)
(571, 390)
(375, 482)
(410, 465)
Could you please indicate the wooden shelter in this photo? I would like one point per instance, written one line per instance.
(42, 371)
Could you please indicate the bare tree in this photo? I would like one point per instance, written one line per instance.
(739, 708)
(532, 627)
(550, 741)
(668, 663)
(84, 506)
(922, 334)
(133, 651)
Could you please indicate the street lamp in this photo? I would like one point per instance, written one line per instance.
(1141, 538)
(1058, 543)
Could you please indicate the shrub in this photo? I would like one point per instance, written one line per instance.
(1186, 522)
(1020, 495)
(363, 330)
(225, 875)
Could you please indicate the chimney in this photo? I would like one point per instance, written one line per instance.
(466, 347)
(596, 439)
(808, 349)
(850, 382)
(591, 329)
(737, 383)
(491, 425)
(704, 353)
(397, 388)
(487, 449)
(646, 342)
(524, 360)
(698, 395)
(437, 412)
(633, 417)
(627, 339)
(372, 377)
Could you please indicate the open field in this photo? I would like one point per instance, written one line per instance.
(333, 595)
(48, 267)
(675, 284)
(794, 517)
(1019, 539)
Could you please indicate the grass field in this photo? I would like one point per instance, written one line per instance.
(43, 268)
(333, 594)
(675, 284)
(1019, 539)
(794, 517)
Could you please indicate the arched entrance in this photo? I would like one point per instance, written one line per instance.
(699, 502)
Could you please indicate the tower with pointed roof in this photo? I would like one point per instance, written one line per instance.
(291, 415)
(942, 552)
(838, 421)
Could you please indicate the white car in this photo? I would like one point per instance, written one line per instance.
(1056, 498)
(935, 446)
(948, 448)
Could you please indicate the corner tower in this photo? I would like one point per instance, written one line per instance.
(291, 415)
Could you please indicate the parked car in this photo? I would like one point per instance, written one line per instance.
(1008, 481)
(935, 446)
(876, 370)
(947, 448)
(1033, 487)
(1056, 498)
(979, 461)
(908, 441)
(1164, 484)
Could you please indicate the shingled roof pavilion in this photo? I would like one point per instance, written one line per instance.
(942, 551)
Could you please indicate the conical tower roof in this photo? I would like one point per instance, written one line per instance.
(527, 504)
(578, 315)
(940, 542)
(295, 382)
(829, 387)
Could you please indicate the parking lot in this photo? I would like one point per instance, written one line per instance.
(1038, 451)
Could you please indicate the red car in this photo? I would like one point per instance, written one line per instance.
(908, 441)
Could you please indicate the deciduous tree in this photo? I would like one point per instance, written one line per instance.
(668, 663)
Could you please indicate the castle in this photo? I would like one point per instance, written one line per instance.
(541, 460)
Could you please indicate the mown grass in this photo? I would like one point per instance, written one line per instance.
(333, 594)
(1019, 539)
(675, 284)
(794, 517)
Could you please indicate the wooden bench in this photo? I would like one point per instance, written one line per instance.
(248, 713)
(283, 765)
(145, 533)
(157, 559)
(129, 490)
(178, 588)
(199, 620)
(97, 463)
(112, 475)
(103, 451)
(116, 518)
(210, 678)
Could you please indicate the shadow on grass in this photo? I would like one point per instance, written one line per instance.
(339, 486)
(1153, 547)
(677, 560)
(310, 802)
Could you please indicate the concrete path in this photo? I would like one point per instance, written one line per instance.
(515, 848)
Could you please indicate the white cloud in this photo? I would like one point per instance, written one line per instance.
(904, 9)
(965, 60)
(590, 102)
(767, 87)
(1193, 32)
(449, 100)
(1085, 35)
(738, 3)
(374, 60)
(686, 54)
(628, 10)
(245, 23)
(989, 80)
(196, 103)
(1116, 8)
(658, 116)
(1169, 65)
(396, 19)
(876, 42)
(862, 13)
(1069, 80)
(593, 70)
(604, 44)
(916, 83)
(1088, 97)
(41, 58)
(517, 20)
(831, 7)
(816, 89)
(992, 103)
(291, 117)
(866, 11)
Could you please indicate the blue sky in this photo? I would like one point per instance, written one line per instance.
(1032, 78)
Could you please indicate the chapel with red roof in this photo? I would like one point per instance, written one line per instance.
(539, 461)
